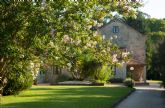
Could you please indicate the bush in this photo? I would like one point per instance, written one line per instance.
(129, 83)
(97, 71)
(18, 82)
(116, 80)
(103, 74)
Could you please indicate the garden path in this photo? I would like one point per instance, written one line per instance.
(152, 96)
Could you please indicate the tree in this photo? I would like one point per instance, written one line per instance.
(76, 19)
(140, 23)
(23, 33)
(161, 62)
(155, 39)
(49, 31)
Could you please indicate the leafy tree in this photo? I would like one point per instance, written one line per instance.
(161, 62)
(23, 33)
(51, 31)
(155, 40)
(139, 23)
(153, 43)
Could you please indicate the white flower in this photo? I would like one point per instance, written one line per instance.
(88, 45)
(114, 59)
(88, 38)
(95, 34)
(66, 39)
(56, 58)
(78, 42)
(69, 65)
(85, 47)
(103, 37)
(71, 41)
(108, 49)
(42, 62)
(22, 56)
(51, 44)
(89, 26)
(92, 46)
(100, 24)
(103, 51)
(125, 54)
(111, 38)
(95, 22)
(95, 42)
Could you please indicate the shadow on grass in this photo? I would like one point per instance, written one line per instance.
(68, 97)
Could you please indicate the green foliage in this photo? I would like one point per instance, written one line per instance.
(129, 83)
(89, 68)
(103, 73)
(55, 32)
(96, 70)
(23, 33)
(17, 82)
(140, 24)
(161, 63)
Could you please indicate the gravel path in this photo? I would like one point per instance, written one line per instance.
(145, 97)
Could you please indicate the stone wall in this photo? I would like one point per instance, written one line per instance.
(128, 38)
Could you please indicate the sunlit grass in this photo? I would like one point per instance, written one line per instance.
(65, 97)
(154, 81)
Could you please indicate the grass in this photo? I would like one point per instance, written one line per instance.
(66, 97)
(154, 81)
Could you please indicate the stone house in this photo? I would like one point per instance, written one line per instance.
(128, 40)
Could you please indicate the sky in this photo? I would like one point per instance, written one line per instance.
(155, 8)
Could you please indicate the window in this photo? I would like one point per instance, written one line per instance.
(115, 29)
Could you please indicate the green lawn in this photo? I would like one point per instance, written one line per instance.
(65, 97)
(154, 81)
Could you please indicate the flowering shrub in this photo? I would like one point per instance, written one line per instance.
(56, 32)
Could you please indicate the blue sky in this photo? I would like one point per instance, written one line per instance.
(155, 8)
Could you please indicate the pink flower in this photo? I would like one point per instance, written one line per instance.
(66, 39)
